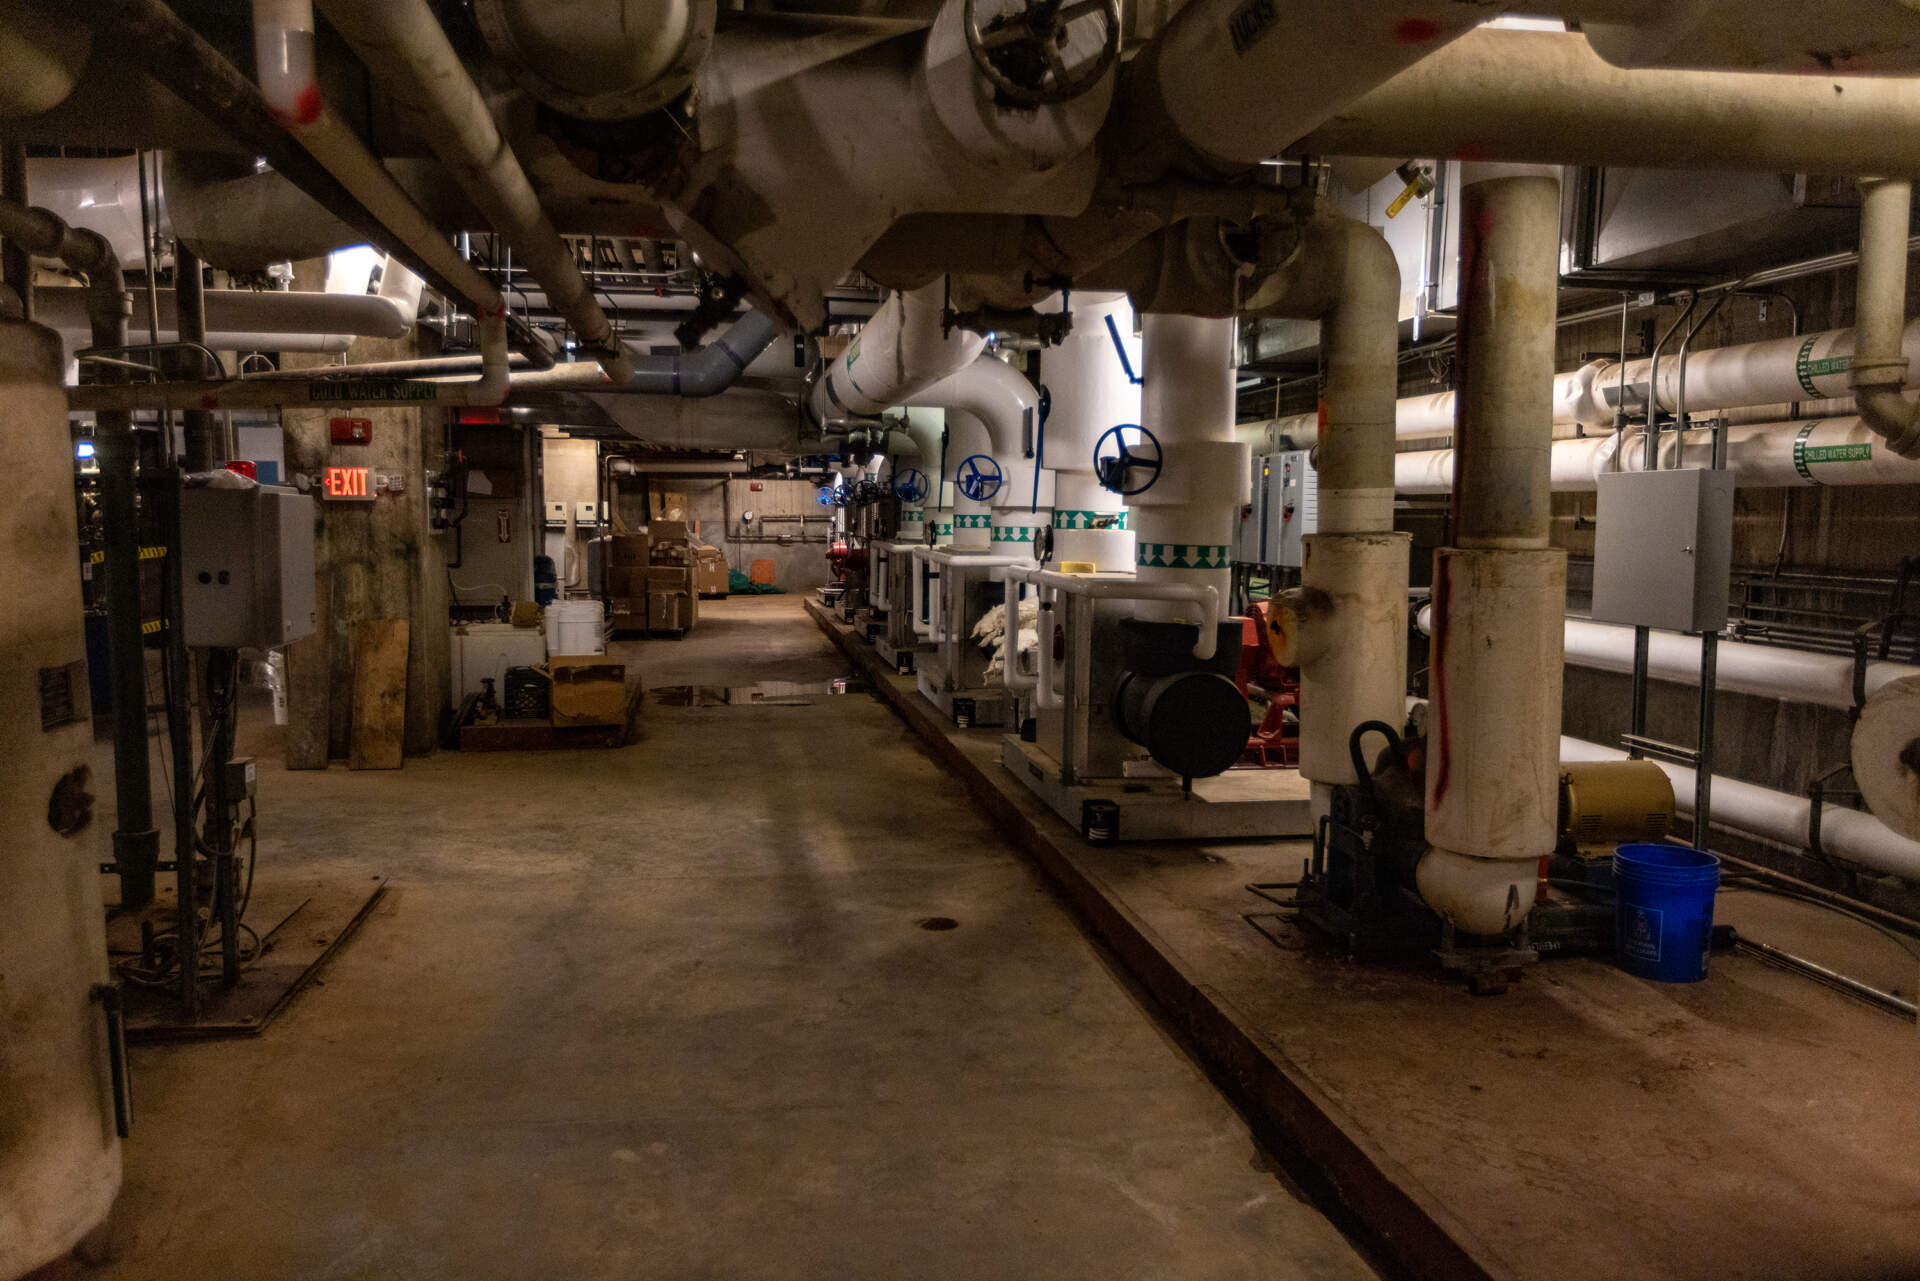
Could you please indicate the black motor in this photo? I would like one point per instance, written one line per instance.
(1188, 714)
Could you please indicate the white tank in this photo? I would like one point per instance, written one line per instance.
(59, 1155)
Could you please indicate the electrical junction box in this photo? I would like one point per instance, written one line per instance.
(246, 566)
(1293, 506)
(1663, 549)
(586, 513)
(1248, 541)
(556, 514)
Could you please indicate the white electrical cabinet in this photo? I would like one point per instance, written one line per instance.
(246, 566)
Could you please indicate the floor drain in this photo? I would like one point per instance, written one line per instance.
(938, 923)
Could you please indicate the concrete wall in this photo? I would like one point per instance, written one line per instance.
(797, 546)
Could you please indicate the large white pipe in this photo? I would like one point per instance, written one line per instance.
(405, 48)
(1741, 667)
(1880, 367)
(1492, 782)
(1545, 97)
(1001, 399)
(1092, 380)
(1185, 519)
(898, 353)
(246, 311)
(1796, 453)
(1776, 816)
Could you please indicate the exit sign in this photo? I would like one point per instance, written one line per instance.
(350, 483)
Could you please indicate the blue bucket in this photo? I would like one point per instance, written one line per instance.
(1663, 911)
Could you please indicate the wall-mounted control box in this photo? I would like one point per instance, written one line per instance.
(1663, 549)
(246, 566)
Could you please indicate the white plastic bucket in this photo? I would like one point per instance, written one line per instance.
(576, 627)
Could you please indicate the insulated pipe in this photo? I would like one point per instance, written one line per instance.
(318, 389)
(707, 371)
(1345, 625)
(1792, 454)
(1492, 780)
(1544, 97)
(247, 311)
(1766, 671)
(1004, 402)
(1879, 365)
(1224, 81)
(897, 353)
(1757, 811)
(1185, 520)
(44, 55)
(407, 52)
(1092, 382)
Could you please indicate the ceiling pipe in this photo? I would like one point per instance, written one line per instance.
(322, 386)
(1880, 364)
(257, 312)
(407, 52)
(1492, 778)
(1792, 454)
(1546, 97)
(900, 352)
(610, 61)
(1752, 810)
(1221, 89)
(706, 371)
(44, 54)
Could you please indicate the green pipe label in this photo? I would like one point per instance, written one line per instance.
(366, 391)
(1069, 518)
(1181, 555)
(982, 521)
(1805, 455)
(1013, 533)
(1808, 370)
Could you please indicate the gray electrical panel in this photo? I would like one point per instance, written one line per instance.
(1663, 549)
(1285, 506)
(246, 566)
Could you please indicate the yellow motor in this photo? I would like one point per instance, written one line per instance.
(1609, 803)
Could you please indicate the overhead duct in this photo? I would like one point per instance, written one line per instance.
(1545, 97)
(405, 48)
(600, 61)
(1791, 454)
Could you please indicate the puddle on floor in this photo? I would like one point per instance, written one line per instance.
(763, 694)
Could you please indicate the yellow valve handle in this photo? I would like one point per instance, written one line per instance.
(1407, 193)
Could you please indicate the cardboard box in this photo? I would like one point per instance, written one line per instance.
(667, 531)
(626, 580)
(668, 505)
(709, 572)
(588, 690)
(678, 578)
(669, 611)
(628, 549)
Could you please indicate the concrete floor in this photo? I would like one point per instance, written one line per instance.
(668, 1011)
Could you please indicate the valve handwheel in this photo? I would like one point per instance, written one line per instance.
(978, 477)
(1119, 470)
(911, 485)
(1036, 52)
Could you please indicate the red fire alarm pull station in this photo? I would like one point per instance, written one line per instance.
(350, 431)
(755, 487)
(351, 483)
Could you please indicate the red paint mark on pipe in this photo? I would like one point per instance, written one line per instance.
(307, 107)
(209, 401)
(1415, 30)
(1470, 151)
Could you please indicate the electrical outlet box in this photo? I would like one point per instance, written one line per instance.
(1663, 549)
(246, 566)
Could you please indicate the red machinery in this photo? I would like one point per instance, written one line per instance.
(1275, 745)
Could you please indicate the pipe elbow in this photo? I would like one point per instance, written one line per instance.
(1891, 416)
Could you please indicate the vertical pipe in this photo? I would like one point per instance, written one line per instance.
(205, 449)
(1879, 364)
(1492, 779)
(16, 263)
(1703, 774)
